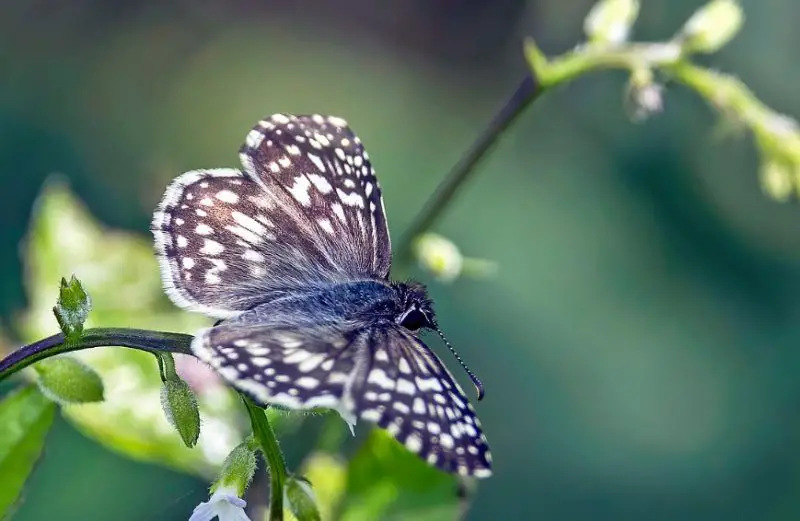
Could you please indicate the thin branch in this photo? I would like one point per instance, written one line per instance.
(777, 135)
(527, 91)
(151, 341)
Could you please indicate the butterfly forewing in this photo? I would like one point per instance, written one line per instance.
(307, 210)
(322, 164)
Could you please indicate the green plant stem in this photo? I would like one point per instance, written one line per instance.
(776, 131)
(272, 453)
(166, 366)
(588, 58)
(156, 342)
(527, 91)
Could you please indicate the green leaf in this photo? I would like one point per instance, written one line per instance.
(72, 308)
(25, 418)
(65, 379)
(125, 281)
(385, 481)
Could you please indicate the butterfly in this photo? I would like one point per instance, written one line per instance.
(292, 254)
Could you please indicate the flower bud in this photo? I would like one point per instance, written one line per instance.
(439, 256)
(67, 380)
(610, 21)
(777, 179)
(300, 499)
(72, 308)
(181, 410)
(237, 470)
(712, 26)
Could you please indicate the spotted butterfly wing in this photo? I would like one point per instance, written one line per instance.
(293, 253)
(305, 210)
(383, 374)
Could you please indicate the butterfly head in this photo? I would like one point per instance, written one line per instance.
(416, 312)
(416, 309)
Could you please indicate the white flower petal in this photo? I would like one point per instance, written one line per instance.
(228, 512)
(203, 512)
(233, 500)
(223, 504)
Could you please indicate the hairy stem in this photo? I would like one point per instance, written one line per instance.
(272, 453)
(527, 91)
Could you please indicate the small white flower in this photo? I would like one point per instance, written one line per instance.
(224, 503)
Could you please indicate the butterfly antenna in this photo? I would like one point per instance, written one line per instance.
(475, 380)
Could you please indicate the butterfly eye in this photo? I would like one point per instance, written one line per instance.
(414, 319)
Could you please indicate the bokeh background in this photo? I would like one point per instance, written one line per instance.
(640, 343)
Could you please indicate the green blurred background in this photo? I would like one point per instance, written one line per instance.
(640, 343)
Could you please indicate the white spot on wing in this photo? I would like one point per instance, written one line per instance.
(413, 442)
(227, 196)
(320, 183)
(203, 229)
(351, 199)
(254, 138)
(307, 382)
(326, 225)
(300, 190)
(317, 161)
(406, 387)
(249, 223)
(252, 256)
(211, 247)
(339, 212)
(379, 377)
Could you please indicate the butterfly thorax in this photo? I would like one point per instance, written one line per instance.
(367, 301)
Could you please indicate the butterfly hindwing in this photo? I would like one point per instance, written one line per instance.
(409, 392)
(383, 375)
(296, 368)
